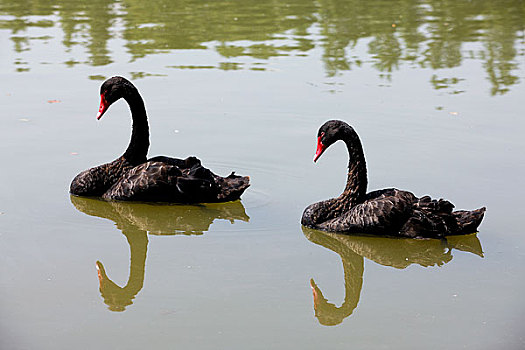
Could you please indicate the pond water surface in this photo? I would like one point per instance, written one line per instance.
(435, 89)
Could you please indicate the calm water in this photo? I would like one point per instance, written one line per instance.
(435, 90)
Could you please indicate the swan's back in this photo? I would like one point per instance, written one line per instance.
(399, 213)
(382, 211)
(163, 179)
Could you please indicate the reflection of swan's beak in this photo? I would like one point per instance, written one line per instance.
(100, 272)
(315, 292)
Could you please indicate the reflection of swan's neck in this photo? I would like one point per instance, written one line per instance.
(327, 313)
(353, 270)
(118, 298)
(353, 267)
(139, 143)
(138, 246)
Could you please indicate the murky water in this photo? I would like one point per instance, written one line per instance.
(434, 89)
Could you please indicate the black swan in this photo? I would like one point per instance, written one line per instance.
(386, 212)
(133, 177)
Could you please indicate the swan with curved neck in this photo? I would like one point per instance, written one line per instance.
(386, 212)
(133, 177)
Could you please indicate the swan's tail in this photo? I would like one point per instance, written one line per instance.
(469, 220)
(435, 218)
(232, 187)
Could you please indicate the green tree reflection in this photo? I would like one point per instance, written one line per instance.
(421, 33)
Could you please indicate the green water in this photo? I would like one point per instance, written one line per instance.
(434, 89)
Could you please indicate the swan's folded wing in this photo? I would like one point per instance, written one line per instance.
(376, 215)
(188, 163)
(147, 181)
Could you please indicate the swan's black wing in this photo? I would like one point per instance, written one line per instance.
(384, 211)
(145, 182)
(188, 163)
(435, 219)
(163, 179)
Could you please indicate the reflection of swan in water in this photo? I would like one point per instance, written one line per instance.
(136, 220)
(117, 298)
(394, 252)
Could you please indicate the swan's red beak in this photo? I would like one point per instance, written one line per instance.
(103, 106)
(320, 149)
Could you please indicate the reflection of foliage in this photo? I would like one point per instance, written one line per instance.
(425, 33)
(186, 24)
(387, 48)
(497, 66)
(443, 83)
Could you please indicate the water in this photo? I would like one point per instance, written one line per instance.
(434, 89)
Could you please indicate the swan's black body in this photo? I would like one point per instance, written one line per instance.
(133, 177)
(387, 212)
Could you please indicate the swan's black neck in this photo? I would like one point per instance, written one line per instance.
(137, 150)
(356, 183)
